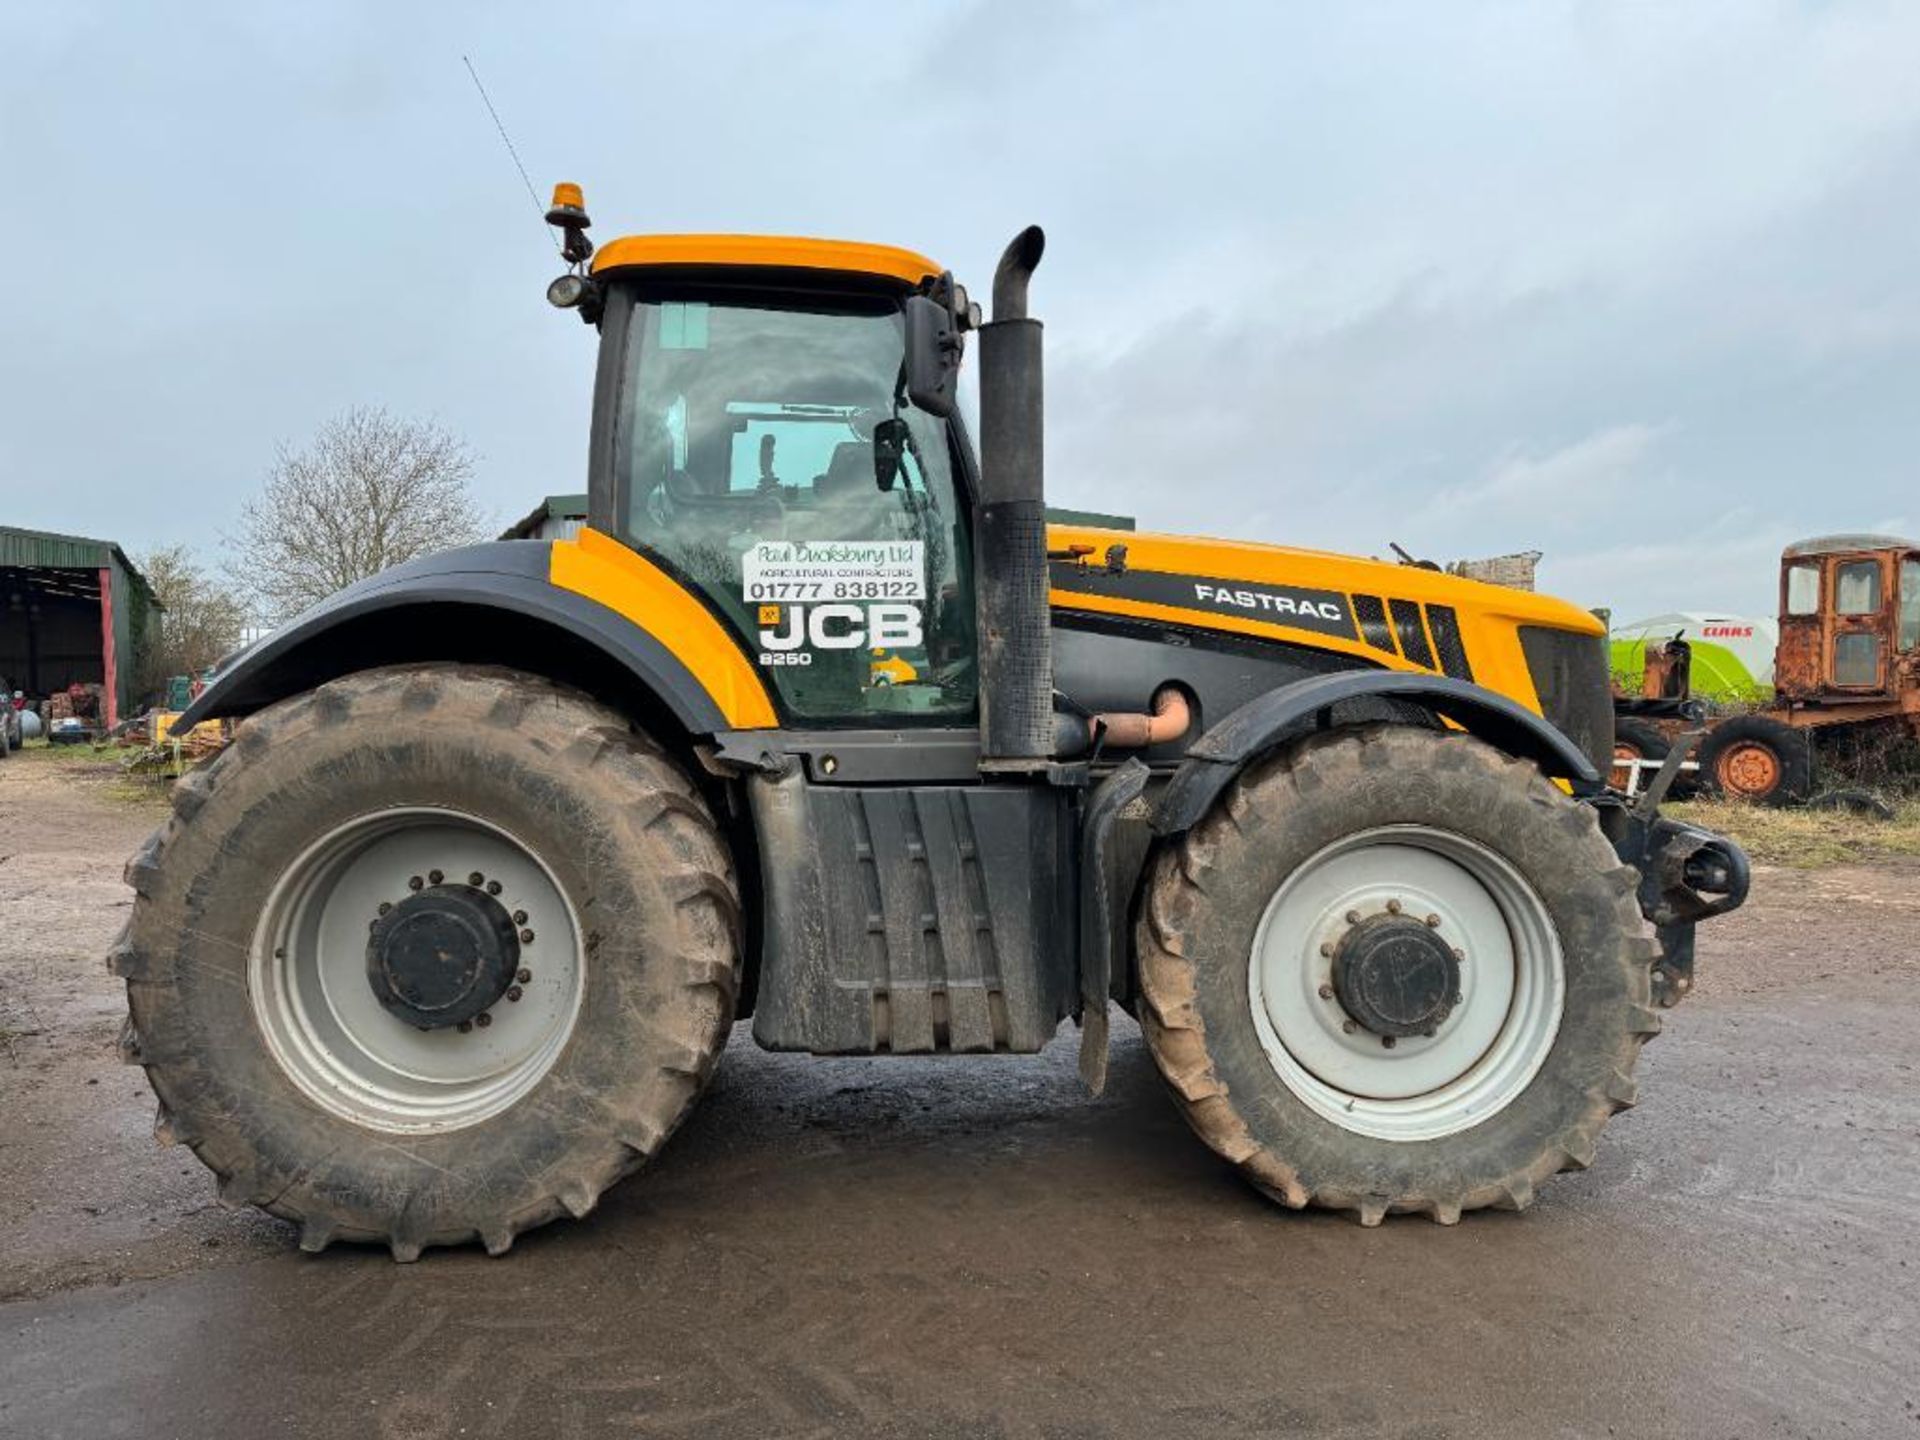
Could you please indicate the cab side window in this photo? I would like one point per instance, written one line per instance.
(1803, 590)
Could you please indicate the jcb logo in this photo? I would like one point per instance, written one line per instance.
(838, 627)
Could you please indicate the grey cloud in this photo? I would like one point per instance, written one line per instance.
(1632, 285)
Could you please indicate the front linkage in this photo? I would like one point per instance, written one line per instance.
(1686, 874)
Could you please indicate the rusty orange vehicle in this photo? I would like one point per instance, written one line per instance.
(1848, 655)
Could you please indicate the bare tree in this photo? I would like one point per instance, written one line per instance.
(201, 618)
(370, 490)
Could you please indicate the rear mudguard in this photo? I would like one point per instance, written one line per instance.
(517, 602)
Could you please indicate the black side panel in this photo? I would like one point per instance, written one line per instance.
(1297, 605)
(1108, 663)
(913, 920)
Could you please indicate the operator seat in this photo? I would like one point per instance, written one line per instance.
(847, 503)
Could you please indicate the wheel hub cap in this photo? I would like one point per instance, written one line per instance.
(1367, 1021)
(1395, 976)
(442, 956)
(1750, 769)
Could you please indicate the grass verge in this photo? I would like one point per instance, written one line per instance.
(1807, 839)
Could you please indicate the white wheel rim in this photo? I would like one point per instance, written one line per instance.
(307, 975)
(1481, 1057)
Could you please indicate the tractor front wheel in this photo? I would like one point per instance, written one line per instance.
(1396, 970)
(430, 955)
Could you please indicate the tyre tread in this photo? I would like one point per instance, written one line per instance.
(572, 728)
(1176, 1033)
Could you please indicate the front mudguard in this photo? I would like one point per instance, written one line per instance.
(1686, 875)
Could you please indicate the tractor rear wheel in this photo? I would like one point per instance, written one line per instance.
(1757, 758)
(430, 955)
(1396, 970)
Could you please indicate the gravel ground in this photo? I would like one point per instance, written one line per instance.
(929, 1248)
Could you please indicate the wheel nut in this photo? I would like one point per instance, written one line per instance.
(465, 1027)
(476, 879)
(1326, 992)
(1460, 955)
(526, 937)
(513, 992)
(416, 883)
(1353, 917)
(385, 906)
(493, 887)
(1433, 922)
(1386, 1042)
(483, 1020)
(1349, 1026)
(524, 976)
(1326, 947)
(435, 876)
(1393, 907)
(519, 917)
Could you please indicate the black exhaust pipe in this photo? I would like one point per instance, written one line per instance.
(1010, 526)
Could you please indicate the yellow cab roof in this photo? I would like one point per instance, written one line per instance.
(784, 252)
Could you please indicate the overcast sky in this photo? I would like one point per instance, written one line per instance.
(1634, 285)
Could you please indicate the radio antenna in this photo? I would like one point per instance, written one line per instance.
(512, 154)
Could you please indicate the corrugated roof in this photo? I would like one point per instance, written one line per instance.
(49, 550)
(554, 507)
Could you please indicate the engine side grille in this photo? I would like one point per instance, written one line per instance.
(1372, 616)
(1413, 635)
(1445, 626)
(1570, 675)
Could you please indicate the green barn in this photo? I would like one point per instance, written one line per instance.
(74, 611)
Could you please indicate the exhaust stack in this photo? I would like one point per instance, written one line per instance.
(1010, 526)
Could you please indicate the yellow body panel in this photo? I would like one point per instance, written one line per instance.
(765, 251)
(601, 568)
(1489, 616)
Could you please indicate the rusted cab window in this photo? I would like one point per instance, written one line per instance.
(1803, 590)
(1856, 658)
(1856, 588)
(1909, 603)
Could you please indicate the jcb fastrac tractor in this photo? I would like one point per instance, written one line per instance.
(451, 936)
